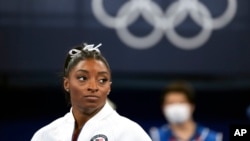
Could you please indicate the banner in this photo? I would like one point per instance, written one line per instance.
(172, 36)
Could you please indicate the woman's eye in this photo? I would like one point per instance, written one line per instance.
(102, 81)
(82, 78)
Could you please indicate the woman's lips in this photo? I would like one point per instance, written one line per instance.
(91, 97)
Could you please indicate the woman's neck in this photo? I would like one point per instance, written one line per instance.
(83, 115)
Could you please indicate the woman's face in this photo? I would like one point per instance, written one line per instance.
(89, 84)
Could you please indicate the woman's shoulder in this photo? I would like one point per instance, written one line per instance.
(59, 121)
(126, 126)
(124, 121)
(51, 126)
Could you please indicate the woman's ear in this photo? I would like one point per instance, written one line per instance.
(109, 87)
(66, 83)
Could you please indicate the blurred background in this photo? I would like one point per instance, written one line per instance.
(147, 43)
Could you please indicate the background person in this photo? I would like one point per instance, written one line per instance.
(178, 105)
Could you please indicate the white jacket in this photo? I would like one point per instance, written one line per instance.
(106, 125)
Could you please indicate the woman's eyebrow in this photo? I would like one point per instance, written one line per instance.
(85, 71)
(81, 70)
(103, 72)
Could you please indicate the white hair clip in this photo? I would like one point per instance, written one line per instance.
(92, 47)
(74, 52)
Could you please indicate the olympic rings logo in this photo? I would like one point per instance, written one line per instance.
(164, 22)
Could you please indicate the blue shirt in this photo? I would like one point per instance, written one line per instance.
(164, 133)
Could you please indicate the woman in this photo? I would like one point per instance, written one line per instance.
(87, 81)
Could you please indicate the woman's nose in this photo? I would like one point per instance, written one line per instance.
(92, 86)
